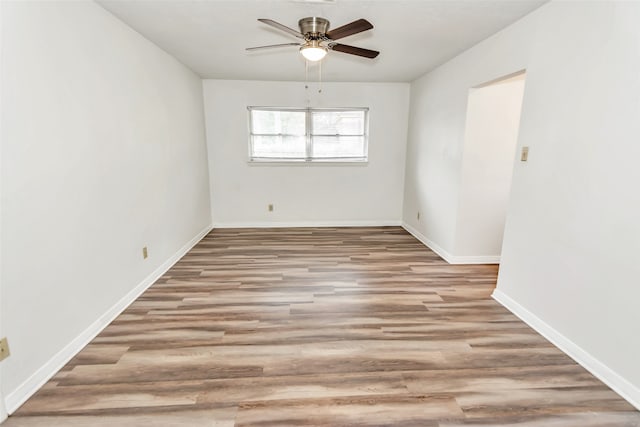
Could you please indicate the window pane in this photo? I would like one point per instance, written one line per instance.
(278, 122)
(338, 146)
(279, 147)
(338, 122)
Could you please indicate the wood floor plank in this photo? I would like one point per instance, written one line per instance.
(321, 327)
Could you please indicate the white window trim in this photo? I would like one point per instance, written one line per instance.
(309, 135)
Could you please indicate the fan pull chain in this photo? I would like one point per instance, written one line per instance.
(320, 77)
(306, 82)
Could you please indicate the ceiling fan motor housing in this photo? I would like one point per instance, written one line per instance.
(313, 28)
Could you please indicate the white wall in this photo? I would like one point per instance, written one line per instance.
(317, 194)
(572, 237)
(436, 133)
(491, 134)
(103, 152)
(3, 409)
(569, 259)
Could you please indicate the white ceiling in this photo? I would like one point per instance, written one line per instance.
(413, 36)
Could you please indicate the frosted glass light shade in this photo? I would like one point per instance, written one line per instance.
(313, 51)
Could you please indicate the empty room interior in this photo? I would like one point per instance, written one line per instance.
(319, 213)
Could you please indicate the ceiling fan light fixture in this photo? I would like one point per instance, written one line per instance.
(314, 30)
(313, 51)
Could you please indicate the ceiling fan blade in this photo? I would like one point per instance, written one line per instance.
(281, 27)
(352, 28)
(367, 53)
(269, 46)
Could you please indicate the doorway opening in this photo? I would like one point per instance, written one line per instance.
(489, 153)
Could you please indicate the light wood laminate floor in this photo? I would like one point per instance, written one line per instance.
(321, 327)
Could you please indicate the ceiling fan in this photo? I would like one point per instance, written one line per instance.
(318, 39)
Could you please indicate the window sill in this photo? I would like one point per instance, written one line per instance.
(331, 162)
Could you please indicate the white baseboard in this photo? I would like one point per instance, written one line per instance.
(451, 259)
(480, 259)
(428, 243)
(24, 391)
(286, 224)
(624, 388)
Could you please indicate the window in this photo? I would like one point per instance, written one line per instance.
(289, 134)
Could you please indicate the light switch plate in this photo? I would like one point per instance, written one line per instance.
(4, 348)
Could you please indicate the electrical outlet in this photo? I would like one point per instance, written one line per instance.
(270, 208)
(4, 348)
(418, 216)
(525, 154)
(145, 253)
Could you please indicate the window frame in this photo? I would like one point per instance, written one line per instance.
(309, 135)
